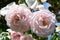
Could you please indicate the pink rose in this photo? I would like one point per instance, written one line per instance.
(18, 18)
(19, 35)
(15, 36)
(43, 23)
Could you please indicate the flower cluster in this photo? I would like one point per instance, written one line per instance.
(20, 19)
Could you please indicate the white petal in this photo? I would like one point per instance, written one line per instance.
(3, 11)
(58, 29)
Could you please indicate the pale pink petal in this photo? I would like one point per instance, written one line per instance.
(43, 23)
(18, 18)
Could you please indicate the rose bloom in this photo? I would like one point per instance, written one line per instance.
(43, 23)
(18, 18)
(15, 35)
(19, 36)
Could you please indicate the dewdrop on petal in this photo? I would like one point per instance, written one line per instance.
(18, 18)
(43, 23)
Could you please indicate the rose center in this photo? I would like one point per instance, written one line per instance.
(44, 22)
